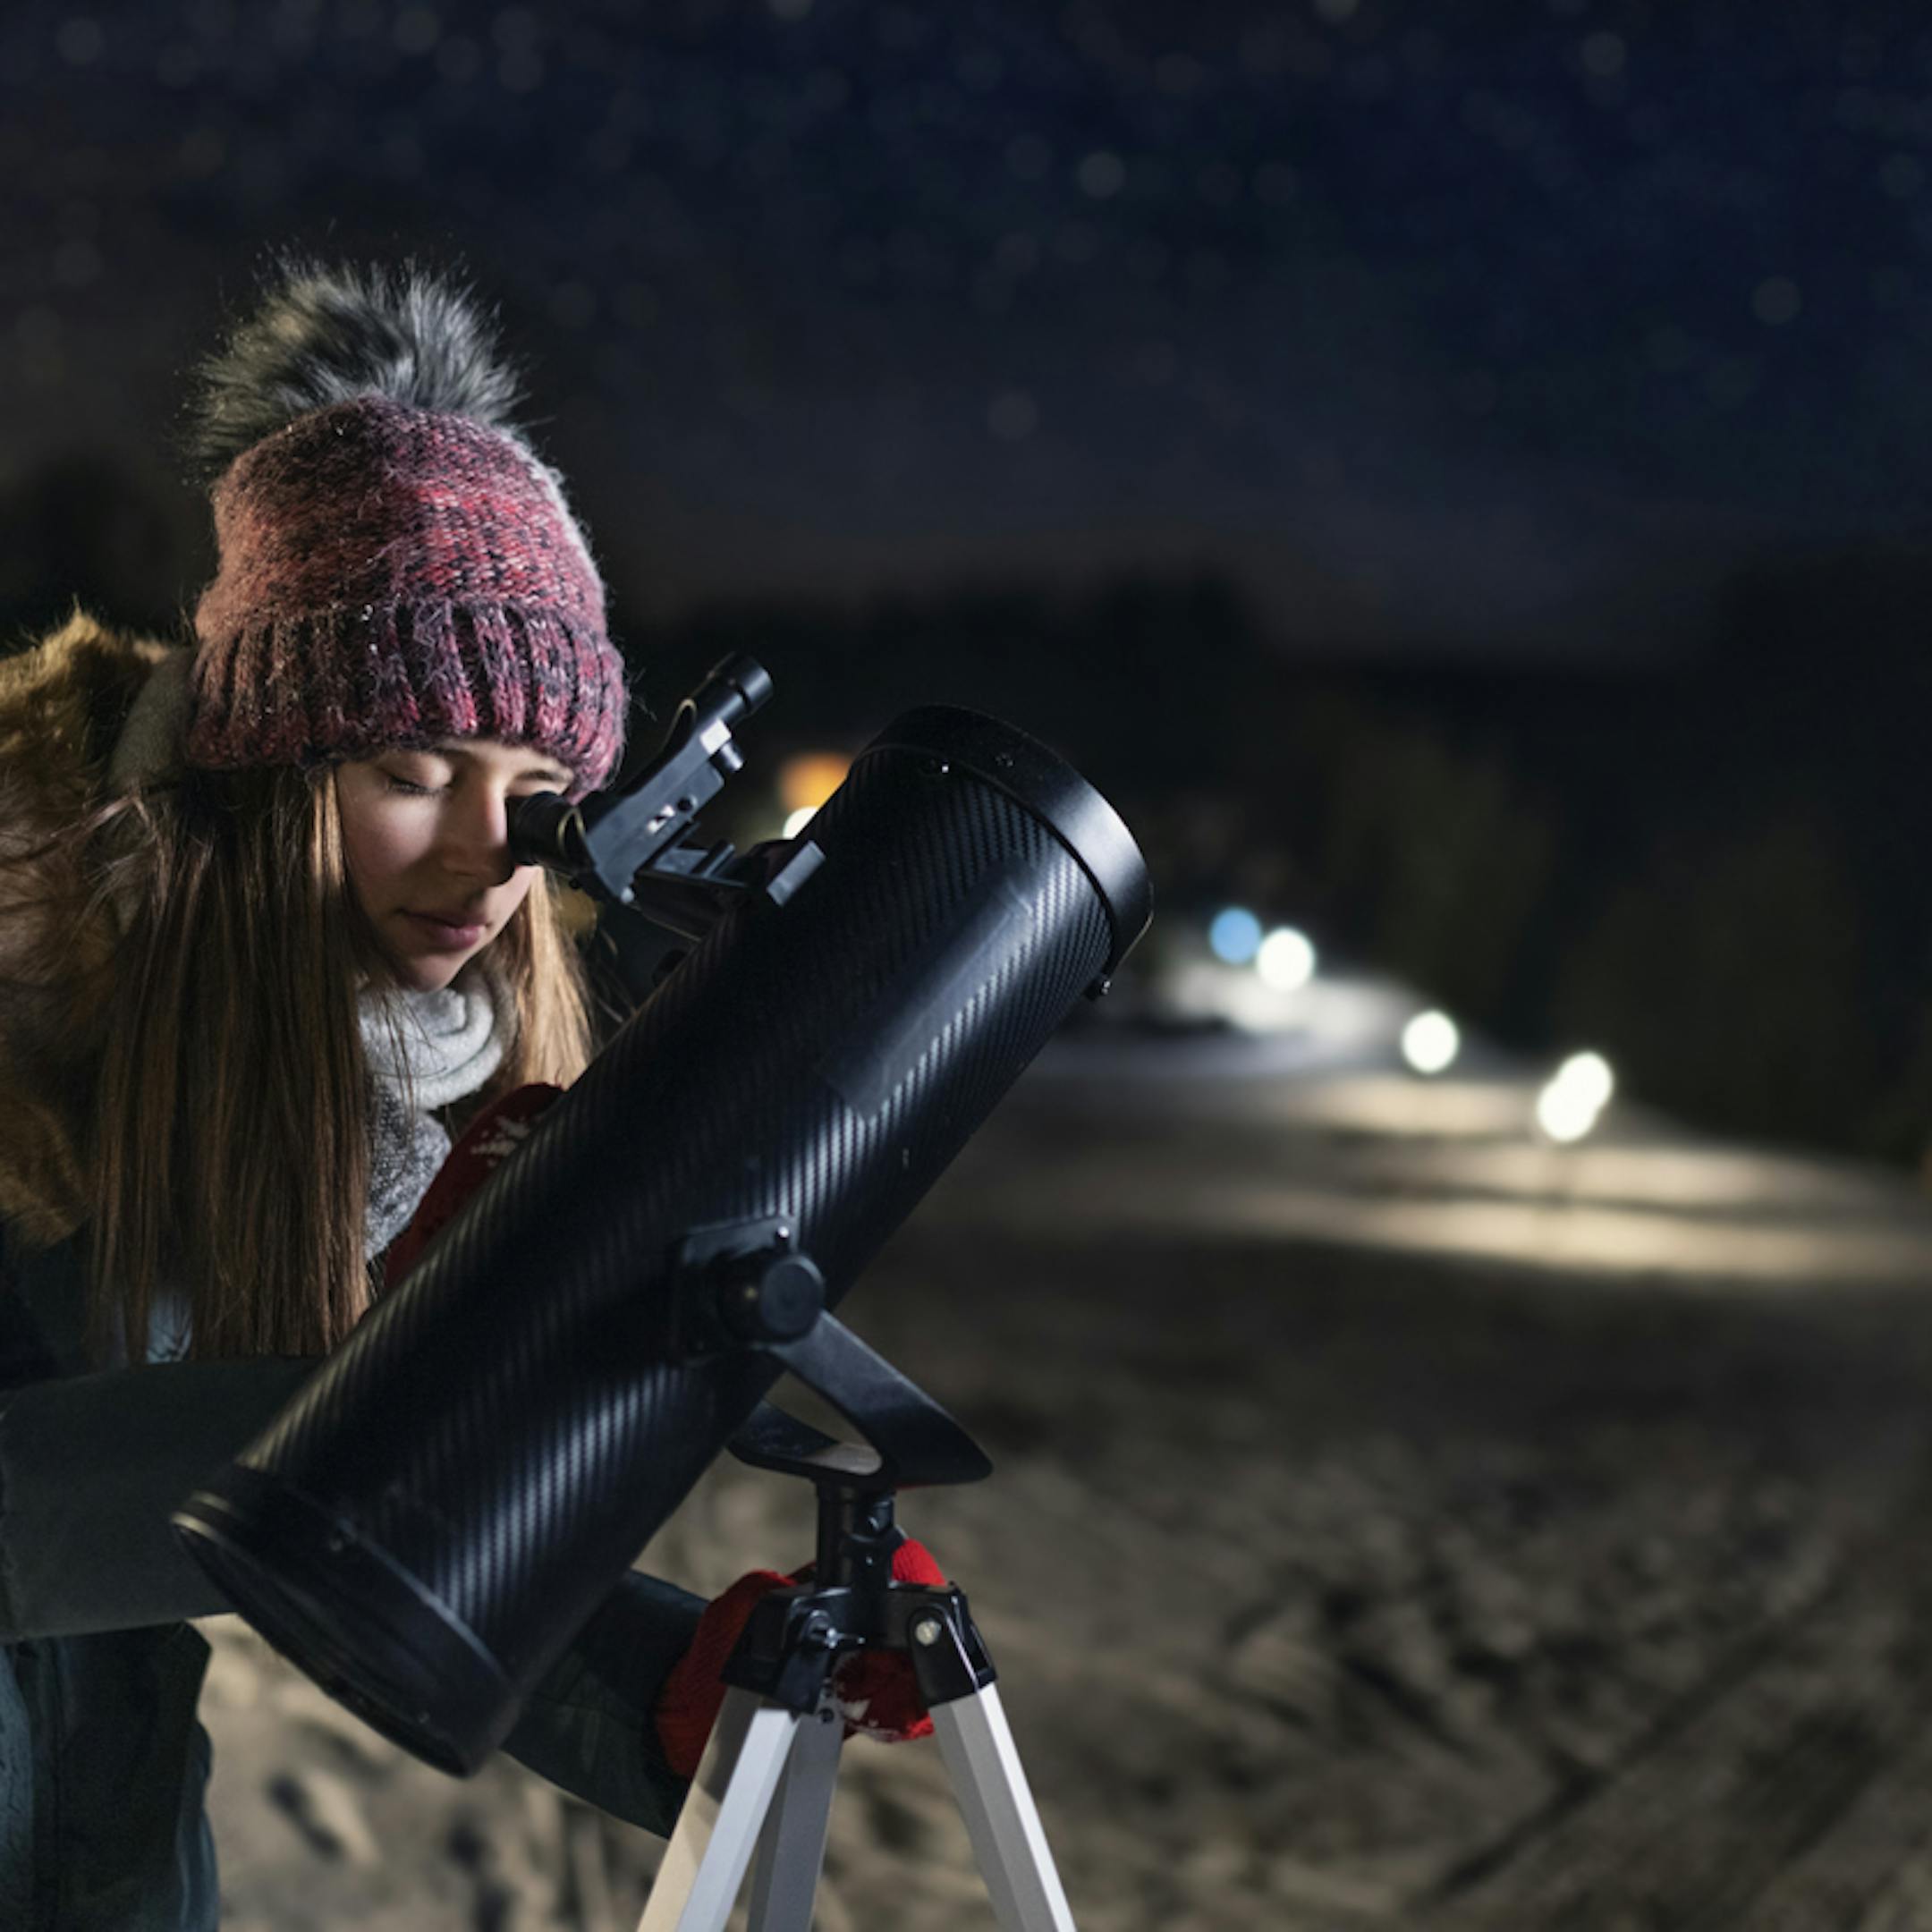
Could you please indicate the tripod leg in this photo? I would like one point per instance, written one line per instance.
(791, 1851)
(705, 1862)
(995, 1799)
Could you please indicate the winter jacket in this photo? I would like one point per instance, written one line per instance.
(102, 1764)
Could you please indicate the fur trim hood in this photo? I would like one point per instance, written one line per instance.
(66, 708)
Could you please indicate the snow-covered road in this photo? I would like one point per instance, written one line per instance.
(1398, 1521)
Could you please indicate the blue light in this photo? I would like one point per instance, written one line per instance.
(1235, 936)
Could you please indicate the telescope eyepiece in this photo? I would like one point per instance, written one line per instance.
(546, 829)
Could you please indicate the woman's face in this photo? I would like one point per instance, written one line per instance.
(427, 839)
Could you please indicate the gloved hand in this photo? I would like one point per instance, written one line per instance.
(487, 1143)
(876, 1690)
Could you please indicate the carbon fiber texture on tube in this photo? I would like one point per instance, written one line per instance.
(446, 1504)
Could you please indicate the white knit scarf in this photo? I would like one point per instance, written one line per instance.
(425, 1050)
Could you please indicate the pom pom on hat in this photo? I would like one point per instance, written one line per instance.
(397, 566)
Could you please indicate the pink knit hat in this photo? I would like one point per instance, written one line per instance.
(392, 575)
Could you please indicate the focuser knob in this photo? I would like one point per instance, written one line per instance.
(772, 1297)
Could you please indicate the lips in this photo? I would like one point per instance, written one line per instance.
(449, 932)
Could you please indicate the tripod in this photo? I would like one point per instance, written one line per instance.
(767, 1775)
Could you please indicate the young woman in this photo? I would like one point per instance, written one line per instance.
(262, 953)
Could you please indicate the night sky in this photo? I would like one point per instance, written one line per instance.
(1505, 329)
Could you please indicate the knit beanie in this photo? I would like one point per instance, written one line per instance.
(397, 566)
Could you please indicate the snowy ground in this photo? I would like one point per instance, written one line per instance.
(1397, 1522)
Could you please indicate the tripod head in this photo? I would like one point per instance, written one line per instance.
(795, 1638)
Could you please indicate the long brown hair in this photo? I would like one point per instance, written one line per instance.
(229, 1156)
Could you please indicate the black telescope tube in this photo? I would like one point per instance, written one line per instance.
(450, 1497)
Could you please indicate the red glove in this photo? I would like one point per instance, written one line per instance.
(487, 1143)
(876, 1688)
(693, 1692)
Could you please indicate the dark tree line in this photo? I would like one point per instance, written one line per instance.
(1714, 869)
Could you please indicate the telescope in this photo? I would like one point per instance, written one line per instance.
(452, 1494)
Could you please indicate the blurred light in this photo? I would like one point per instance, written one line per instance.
(1577, 1093)
(1564, 1113)
(1431, 1042)
(1603, 55)
(796, 822)
(1285, 960)
(1902, 177)
(79, 41)
(1235, 936)
(417, 29)
(1102, 175)
(202, 151)
(77, 263)
(1012, 416)
(1776, 301)
(807, 780)
(1588, 1075)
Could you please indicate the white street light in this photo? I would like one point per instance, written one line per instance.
(1285, 960)
(1567, 1108)
(1431, 1042)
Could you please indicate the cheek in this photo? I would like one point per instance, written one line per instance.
(516, 889)
(379, 850)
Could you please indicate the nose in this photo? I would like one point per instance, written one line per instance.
(476, 842)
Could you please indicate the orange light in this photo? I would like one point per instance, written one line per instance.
(807, 781)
